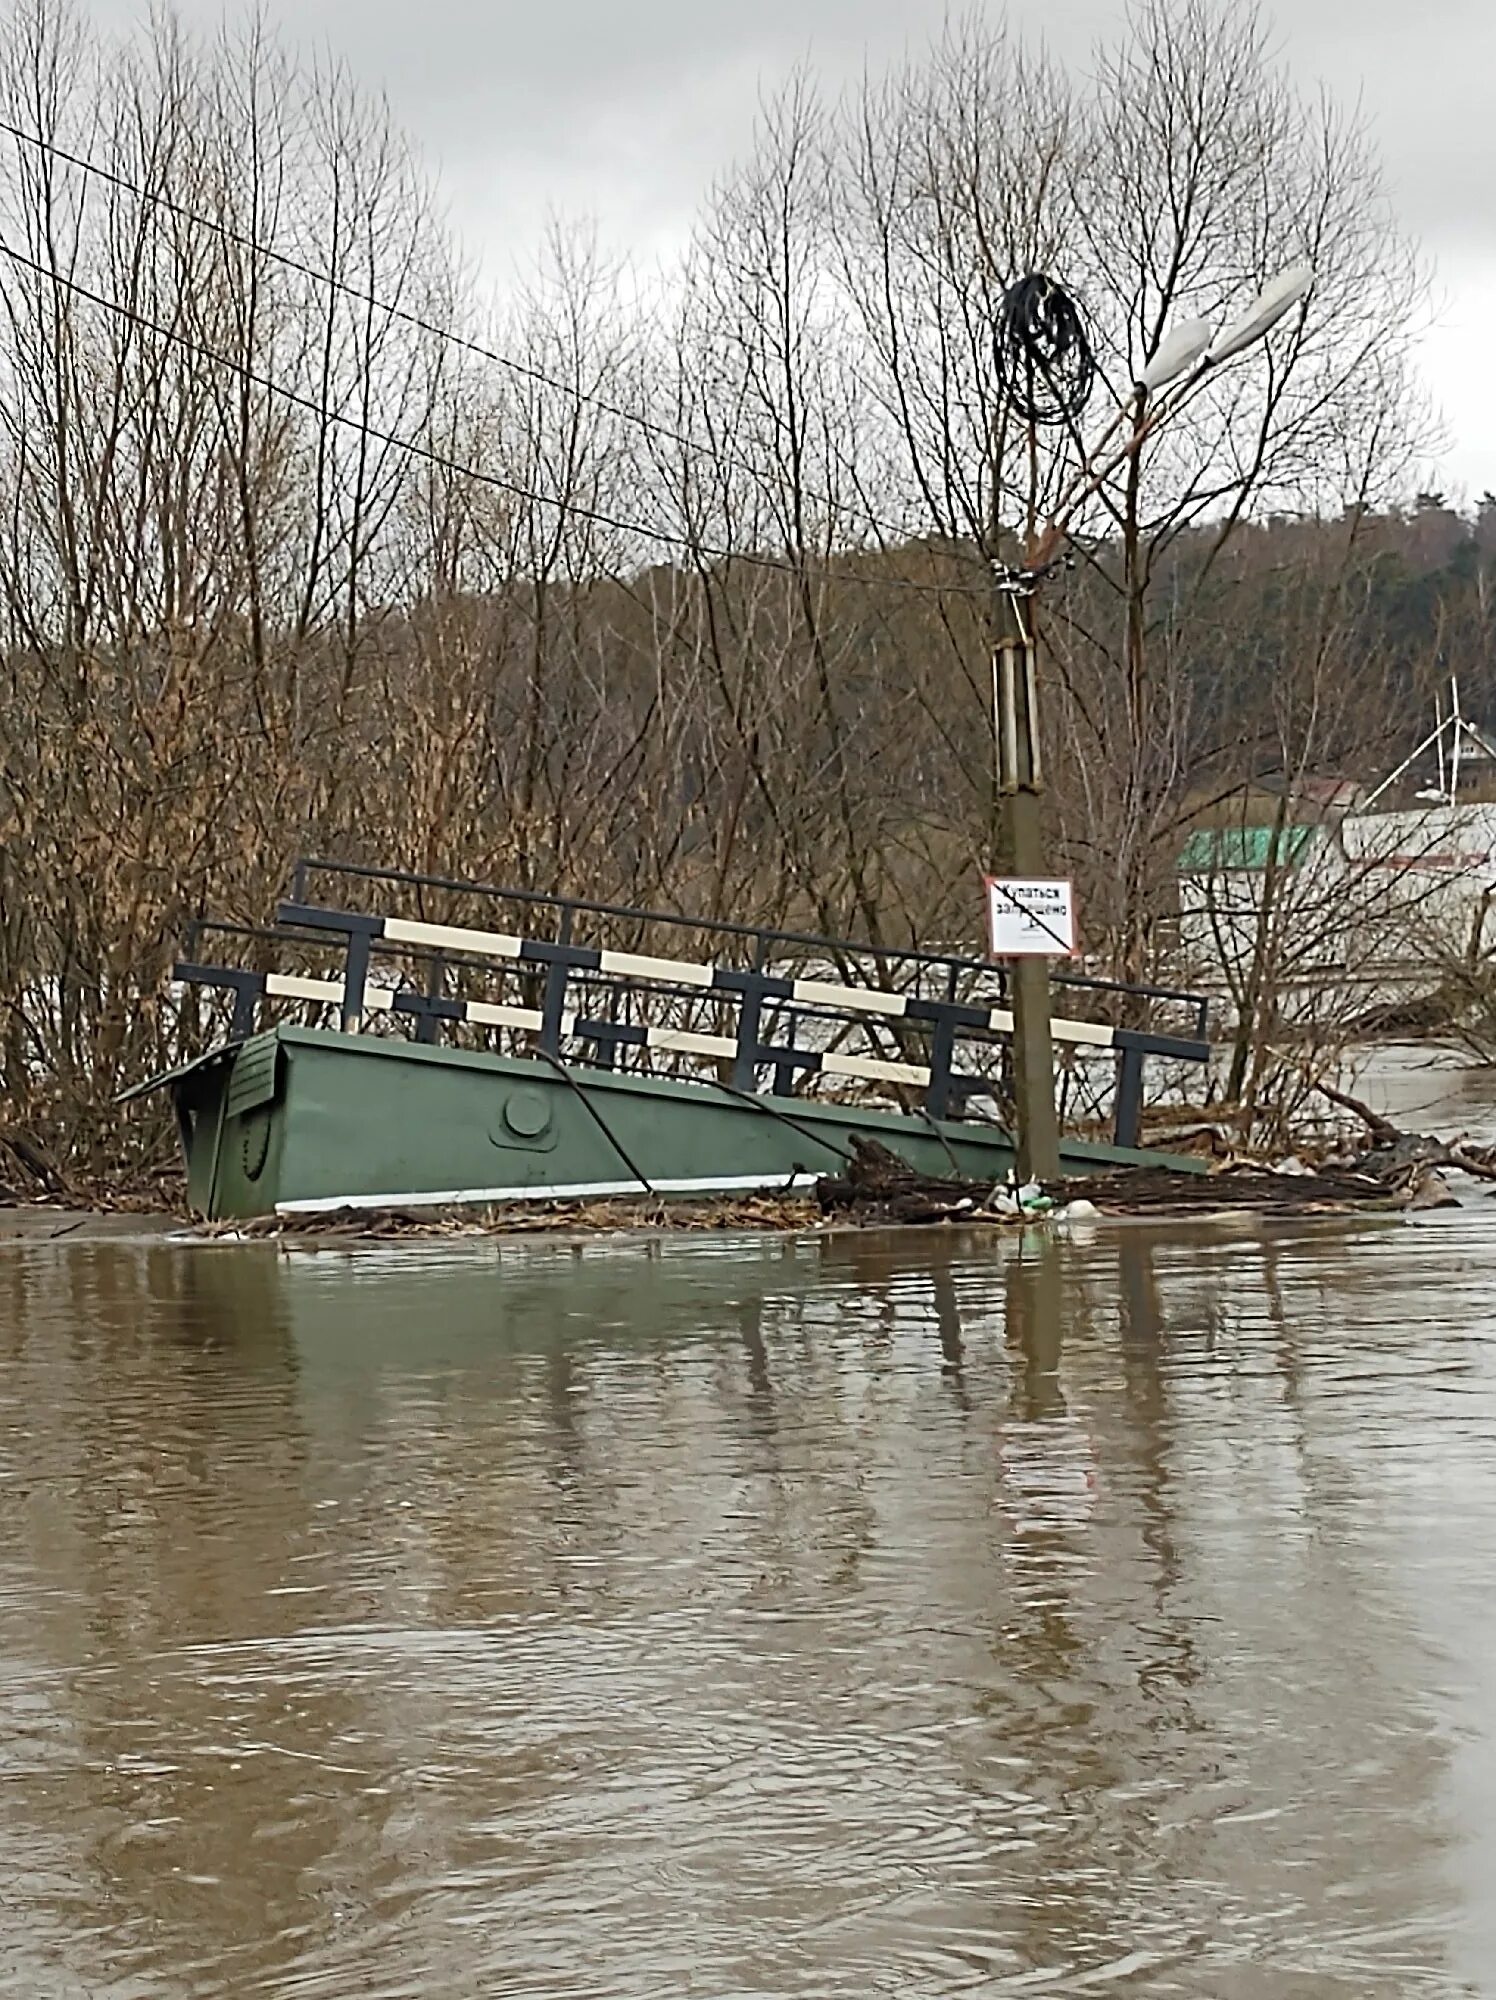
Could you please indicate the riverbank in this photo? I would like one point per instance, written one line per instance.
(875, 1200)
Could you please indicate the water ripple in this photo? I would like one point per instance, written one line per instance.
(917, 1616)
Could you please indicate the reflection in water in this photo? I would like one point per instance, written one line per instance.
(908, 1614)
(1035, 1324)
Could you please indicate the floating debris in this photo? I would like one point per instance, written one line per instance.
(334, 1228)
(1241, 1187)
(878, 1187)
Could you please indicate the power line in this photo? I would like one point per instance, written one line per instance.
(526, 370)
(597, 516)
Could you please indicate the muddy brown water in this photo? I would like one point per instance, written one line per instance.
(912, 1615)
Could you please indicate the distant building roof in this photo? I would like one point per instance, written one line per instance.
(1327, 792)
(1212, 850)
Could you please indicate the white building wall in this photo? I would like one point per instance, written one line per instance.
(1374, 901)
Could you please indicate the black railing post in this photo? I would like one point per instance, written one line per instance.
(247, 988)
(784, 1072)
(1127, 1115)
(428, 1012)
(553, 995)
(750, 1011)
(355, 979)
(605, 1042)
(429, 1020)
(247, 991)
(942, 1055)
(553, 1006)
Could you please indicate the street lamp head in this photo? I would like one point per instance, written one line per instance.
(1269, 306)
(1181, 348)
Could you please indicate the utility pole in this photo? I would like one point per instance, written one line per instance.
(1045, 374)
(1017, 832)
(1020, 777)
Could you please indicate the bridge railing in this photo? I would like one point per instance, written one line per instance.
(935, 974)
(757, 1024)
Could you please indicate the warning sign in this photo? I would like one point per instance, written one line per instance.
(1030, 919)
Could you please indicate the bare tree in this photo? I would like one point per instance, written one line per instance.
(677, 593)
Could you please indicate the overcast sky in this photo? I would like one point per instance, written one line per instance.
(623, 110)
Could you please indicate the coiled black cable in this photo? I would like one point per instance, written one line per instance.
(1045, 366)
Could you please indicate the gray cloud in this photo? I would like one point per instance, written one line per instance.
(625, 112)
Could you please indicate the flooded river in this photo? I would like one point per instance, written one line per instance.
(829, 1618)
